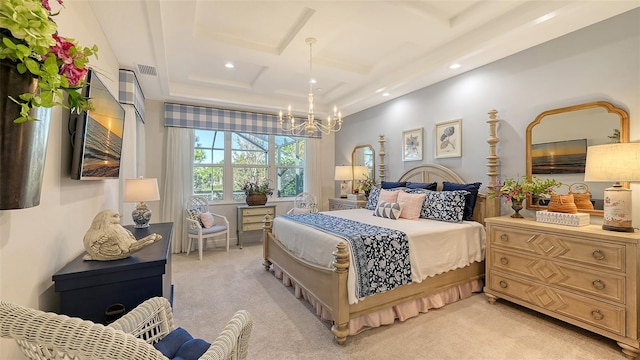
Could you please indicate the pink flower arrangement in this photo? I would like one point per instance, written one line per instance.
(29, 40)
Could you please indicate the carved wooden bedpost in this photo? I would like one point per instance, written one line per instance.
(340, 328)
(266, 231)
(493, 208)
(381, 140)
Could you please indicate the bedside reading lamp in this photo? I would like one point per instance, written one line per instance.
(615, 163)
(344, 174)
(142, 189)
(360, 173)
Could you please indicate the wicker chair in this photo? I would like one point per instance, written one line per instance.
(194, 206)
(304, 201)
(42, 335)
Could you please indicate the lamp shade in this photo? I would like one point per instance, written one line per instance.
(142, 189)
(343, 173)
(360, 172)
(613, 162)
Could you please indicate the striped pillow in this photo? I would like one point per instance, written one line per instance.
(411, 204)
(388, 210)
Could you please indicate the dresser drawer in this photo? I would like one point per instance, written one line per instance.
(252, 219)
(603, 285)
(580, 251)
(596, 313)
(251, 227)
(260, 211)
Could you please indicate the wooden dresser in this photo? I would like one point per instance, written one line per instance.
(346, 204)
(585, 276)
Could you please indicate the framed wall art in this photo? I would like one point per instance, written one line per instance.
(412, 145)
(448, 139)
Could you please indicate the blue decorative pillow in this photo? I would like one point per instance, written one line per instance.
(372, 202)
(470, 199)
(392, 184)
(444, 205)
(179, 344)
(429, 186)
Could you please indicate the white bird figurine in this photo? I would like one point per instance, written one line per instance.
(106, 239)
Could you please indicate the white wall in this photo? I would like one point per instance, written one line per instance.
(37, 242)
(601, 62)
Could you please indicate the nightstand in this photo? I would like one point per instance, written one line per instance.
(250, 218)
(346, 204)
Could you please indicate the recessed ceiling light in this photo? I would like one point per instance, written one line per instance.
(454, 66)
(385, 94)
(379, 90)
(229, 65)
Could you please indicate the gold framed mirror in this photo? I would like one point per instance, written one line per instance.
(363, 156)
(573, 128)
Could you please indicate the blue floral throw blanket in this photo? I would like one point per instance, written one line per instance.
(381, 255)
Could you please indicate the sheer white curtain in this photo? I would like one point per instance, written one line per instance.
(313, 182)
(178, 182)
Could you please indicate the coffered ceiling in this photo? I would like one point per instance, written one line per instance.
(178, 49)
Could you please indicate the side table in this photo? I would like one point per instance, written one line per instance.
(250, 218)
(88, 288)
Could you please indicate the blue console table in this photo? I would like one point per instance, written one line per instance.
(88, 288)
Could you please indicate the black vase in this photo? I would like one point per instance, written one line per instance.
(22, 146)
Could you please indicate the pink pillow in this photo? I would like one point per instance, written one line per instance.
(388, 196)
(411, 204)
(207, 219)
(296, 211)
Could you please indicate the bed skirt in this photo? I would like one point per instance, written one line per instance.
(387, 316)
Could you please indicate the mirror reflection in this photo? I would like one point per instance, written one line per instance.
(557, 142)
(363, 156)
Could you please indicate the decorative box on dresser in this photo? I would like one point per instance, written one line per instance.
(584, 275)
(346, 204)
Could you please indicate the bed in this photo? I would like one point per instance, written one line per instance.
(328, 284)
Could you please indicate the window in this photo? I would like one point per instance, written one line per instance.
(246, 157)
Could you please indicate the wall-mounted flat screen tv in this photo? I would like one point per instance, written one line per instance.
(96, 135)
(560, 157)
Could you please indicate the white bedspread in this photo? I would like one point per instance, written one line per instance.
(434, 246)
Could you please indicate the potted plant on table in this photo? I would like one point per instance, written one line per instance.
(365, 185)
(257, 192)
(38, 69)
(516, 190)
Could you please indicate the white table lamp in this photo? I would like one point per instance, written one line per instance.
(615, 163)
(141, 189)
(344, 174)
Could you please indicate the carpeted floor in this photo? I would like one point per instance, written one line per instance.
(208, 292)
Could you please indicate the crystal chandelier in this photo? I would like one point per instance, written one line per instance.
(288, 121)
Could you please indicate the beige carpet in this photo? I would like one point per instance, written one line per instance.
(208, 292)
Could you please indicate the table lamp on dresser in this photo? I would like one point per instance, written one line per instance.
(619, 162)
(141, 190)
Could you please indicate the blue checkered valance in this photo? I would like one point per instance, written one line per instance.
(200, 117)
(130, 91)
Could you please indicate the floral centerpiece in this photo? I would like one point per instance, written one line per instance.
(29, 40)
(257, 192)
(516, 190)
(365, 185)
(262, 187)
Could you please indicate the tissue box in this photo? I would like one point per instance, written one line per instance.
(578, 219)
(355, 196)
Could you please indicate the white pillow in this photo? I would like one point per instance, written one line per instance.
(207, 220)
